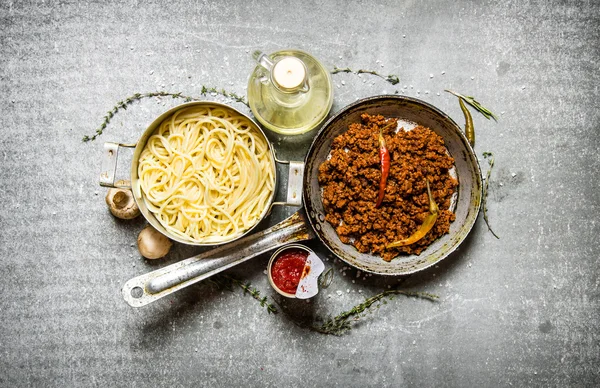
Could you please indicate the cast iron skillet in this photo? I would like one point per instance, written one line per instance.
(410, 111)
(307, 222)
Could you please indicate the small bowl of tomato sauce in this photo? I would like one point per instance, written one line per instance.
(287, 267)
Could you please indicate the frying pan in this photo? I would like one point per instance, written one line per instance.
(310, 221)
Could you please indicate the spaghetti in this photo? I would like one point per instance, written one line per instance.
(206, 174)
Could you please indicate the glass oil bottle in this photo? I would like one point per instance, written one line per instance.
(290, 92)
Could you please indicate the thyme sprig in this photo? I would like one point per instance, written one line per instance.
(475, 104)
(342, 323)
(227, 282)
(123, 104)
(490, 158)
(391, 78)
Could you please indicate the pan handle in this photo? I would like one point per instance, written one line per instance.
(294, 187)
(109, 164)
(154, 285)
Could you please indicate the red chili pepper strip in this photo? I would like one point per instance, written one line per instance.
(384, 159)
(425, 226)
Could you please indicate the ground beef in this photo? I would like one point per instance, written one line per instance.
(350, 185)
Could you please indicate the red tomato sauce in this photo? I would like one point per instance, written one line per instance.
(286, 270)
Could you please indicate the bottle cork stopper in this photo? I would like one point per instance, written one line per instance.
(289, 73)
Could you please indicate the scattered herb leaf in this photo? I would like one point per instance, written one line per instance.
(475, 104)
(391, 78)
(343, 322)
(121, 105)
(227, 282)
(490, 158)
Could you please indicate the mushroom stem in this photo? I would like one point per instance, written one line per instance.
(120, 199)
(121, 203)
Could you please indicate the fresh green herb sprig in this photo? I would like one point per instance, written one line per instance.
(490, 158)
(391, 78)
(227, 282)
(475, 104)
(342, 323)
(123, 104)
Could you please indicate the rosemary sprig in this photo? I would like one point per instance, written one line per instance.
(343, 322)
(391, 78)
(123, 104)
(475, 104)
(227, 282)
(490, 158)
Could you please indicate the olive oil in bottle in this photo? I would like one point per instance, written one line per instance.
(290, 92)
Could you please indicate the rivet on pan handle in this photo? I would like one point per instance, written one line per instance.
(109, 164)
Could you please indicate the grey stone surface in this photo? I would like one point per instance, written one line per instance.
(519, 311)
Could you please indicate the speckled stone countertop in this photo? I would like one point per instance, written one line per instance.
(523, 310)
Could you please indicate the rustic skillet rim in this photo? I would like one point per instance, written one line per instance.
(470, 157)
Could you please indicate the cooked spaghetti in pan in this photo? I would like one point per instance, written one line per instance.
(406, 210)
(206, 174)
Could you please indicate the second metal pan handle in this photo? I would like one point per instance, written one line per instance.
(152, 286)
(109, 164)
(294, 186)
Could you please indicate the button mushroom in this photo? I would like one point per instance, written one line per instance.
(121, 203)
(152, 244)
